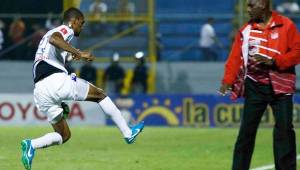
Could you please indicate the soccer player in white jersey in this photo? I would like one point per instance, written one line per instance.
(53, 85)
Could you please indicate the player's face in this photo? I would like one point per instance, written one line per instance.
(255, 9)
(78, 25)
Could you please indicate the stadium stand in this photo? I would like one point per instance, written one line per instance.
(179, 27)
(185, 21)
(179, 31)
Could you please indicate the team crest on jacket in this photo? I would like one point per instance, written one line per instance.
(274, 35)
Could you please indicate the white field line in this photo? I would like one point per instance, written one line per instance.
(271, 166)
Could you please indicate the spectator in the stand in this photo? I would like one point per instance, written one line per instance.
(38, 33)
(114, 76)
(127, 8)
(97, 9)
(208, 40)
(15, 36)
(52, 23)
(140, 75)
(17, 30)
(1, 34)
(130, 7)
(288, 6)
(89, 72)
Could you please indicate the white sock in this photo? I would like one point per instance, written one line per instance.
(47, 140)
(110, 109)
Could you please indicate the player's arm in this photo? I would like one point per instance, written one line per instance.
(232, 66)
(58, 41)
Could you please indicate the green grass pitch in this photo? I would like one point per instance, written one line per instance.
(157, 148)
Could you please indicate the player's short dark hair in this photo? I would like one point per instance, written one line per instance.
(72, 13)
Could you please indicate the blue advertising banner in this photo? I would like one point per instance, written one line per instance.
(190, 110)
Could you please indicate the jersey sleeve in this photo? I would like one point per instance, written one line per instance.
(66, 32)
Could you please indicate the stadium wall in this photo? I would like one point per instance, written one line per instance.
(19, 109)
(195, 111)
(156, 110)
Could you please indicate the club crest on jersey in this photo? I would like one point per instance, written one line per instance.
(64, 31)
(274, 35)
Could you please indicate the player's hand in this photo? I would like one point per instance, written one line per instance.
(75, 57)
(224, 89)
(87, 56)
(91, 58)
(264, 60)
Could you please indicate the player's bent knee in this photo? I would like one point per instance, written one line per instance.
(101, 94)
(95, 94)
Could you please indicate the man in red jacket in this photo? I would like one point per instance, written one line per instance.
(261, 68)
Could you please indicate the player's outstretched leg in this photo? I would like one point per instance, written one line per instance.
(27, 153)
(135, 131)
(97, 95)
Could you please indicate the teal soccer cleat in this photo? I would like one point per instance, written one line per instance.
(27, 154)
(136, 130)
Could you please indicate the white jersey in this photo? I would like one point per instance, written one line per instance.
(49, 53)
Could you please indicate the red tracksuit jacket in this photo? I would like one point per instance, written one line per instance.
(280, 40)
